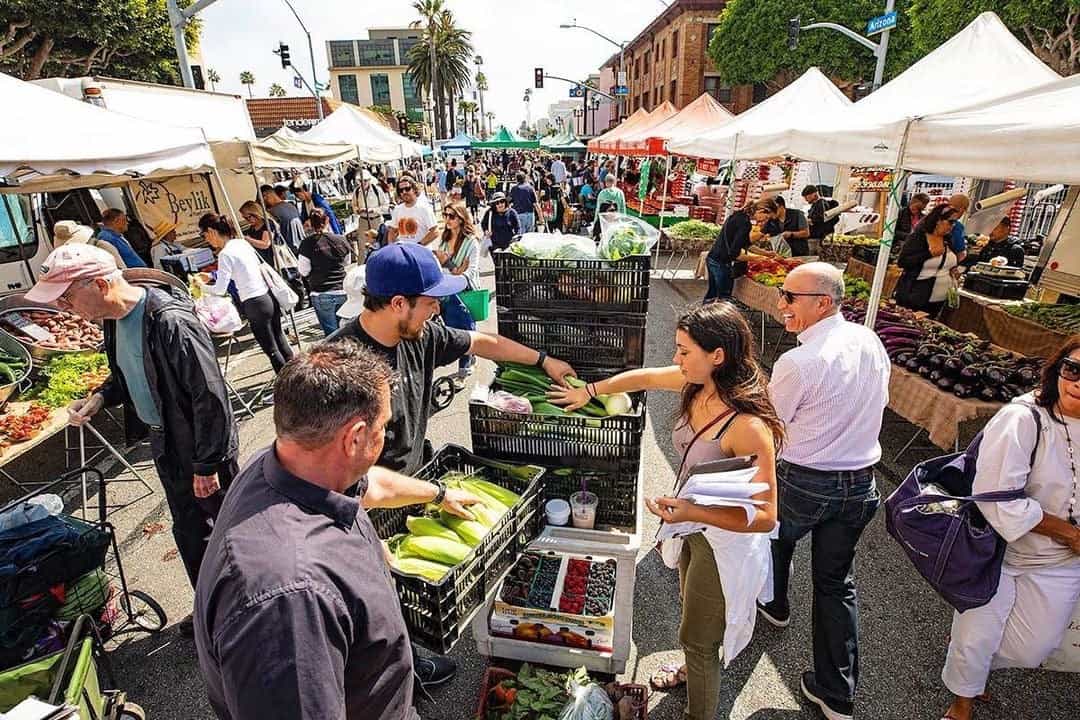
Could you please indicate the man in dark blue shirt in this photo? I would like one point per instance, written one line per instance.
(114, 223)
(309, 199)
(523, 200)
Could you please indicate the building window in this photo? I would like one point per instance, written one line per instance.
(404, 45)
(674, 44)
(341, 53)
(374, 53)
(720, 93)
(760, 92)
(347, 89)
(380, 90)
(671, 96)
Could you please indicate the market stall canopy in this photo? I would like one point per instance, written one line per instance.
(564, 143)
(641, 119)
(504, 138)
(982, 63)
(461, 141)
(376, 143)
(278, 151)
(699, 117)
(628, 143)
(761, 132)
(49, 141)
(1032, 136)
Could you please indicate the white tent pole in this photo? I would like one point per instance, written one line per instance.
(899, 179)
(731, 177)
(663, 196)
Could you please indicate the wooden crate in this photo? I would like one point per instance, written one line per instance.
(865, 271)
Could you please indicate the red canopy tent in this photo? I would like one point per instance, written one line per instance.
(635, 141)
(694, 120)
(606, 143)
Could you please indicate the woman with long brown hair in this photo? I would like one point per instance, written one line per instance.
(725, 412)
(1031, 444)
(458, 251)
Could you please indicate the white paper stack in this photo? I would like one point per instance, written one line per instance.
(33, 709)
(732, 488)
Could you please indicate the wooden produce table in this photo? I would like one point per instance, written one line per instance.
(57, 421)
(1020, 334)
(756, 296)
(865, 271)
(939, 413)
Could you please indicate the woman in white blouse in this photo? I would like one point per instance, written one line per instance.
(239, 263)
(1040, 578)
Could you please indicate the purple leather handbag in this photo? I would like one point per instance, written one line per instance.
(943, 533)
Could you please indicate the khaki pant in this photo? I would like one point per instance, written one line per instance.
(701, 630)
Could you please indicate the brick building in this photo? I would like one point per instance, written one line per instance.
(668, 60)
(268, 115)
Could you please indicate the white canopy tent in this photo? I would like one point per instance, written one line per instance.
(374, 142)
(52, 142)
(763, 131)
(1031, 136)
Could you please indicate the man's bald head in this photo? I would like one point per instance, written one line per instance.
(960, 203)
(818, 277)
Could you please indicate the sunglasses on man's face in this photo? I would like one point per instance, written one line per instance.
(789, 297)
(405, 188)
(1069, 370)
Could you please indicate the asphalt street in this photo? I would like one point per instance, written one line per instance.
(904, 627)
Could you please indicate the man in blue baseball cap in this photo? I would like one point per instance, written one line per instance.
(403, 285)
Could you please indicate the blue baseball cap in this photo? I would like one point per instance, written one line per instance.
(409, 269)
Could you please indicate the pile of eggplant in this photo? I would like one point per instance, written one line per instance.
(961, 364)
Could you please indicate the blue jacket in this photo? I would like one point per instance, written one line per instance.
(118, 241)
(958, 240)
(320, 202)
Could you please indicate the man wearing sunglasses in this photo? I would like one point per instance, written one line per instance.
(411, 221)
(831, 392)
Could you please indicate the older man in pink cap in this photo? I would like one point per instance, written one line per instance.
(164, 369)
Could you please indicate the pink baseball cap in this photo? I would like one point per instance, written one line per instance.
(65, 265)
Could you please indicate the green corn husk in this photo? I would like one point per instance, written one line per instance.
(427, 569)
(430, 527)
(507, 497)
(471, 532)
(440, 550)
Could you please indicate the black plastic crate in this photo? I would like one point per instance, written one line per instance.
(616, 492)
(591, 286)
(436, 613)
(610, 340)
(608, 444)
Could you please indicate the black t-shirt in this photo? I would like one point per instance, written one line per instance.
(734, 237)
(267, 254)
(819, 226)
(415, 362)
(327, 254)
(1011, 251)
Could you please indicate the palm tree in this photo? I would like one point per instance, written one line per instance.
(451, 75)
(481, 86)
(490, 115)
(468, 109)
(247, 78)
(214, 78)
(277, 91)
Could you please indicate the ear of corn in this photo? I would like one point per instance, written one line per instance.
(471, 532)
(506, 497)
(429, 526)
(440, 550)
(427, 569)
(485, 515)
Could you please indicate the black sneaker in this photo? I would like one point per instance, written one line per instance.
(773, 615)
(831, 709)
(186, 627)
(434, 670)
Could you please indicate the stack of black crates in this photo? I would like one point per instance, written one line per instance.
(590, 313)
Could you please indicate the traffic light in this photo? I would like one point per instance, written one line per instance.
(283, 51)
(793, 26)
(538, 76)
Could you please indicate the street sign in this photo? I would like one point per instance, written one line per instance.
(577, 91)
(298, 83)
(621, 90)
(881, 23)
(622, 77)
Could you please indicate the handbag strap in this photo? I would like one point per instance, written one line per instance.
(702, 431)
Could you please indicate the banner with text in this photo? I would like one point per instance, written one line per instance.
(179, 200)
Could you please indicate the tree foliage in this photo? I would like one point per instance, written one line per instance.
(750, 43)
(123, 38)
(453, 53)
(1050, 28)
(247, 78)
(276, 91)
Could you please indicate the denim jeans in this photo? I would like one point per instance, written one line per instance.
(326, 305)
(527, 221)
(833, 507)
(456, 315)
(721, 282)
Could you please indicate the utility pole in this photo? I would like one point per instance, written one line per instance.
(178, 20)
(311, 53)
(479, 70)
(880, 49)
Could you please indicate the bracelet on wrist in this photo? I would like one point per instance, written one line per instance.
(440, 493)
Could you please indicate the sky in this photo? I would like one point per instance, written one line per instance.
(512, 36)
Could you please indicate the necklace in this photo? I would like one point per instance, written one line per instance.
(1072, 466)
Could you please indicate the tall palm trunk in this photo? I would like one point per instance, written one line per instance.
(450, 107)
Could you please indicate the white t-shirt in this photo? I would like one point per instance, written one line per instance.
(419, 215)
(934, 268)
(239, 262)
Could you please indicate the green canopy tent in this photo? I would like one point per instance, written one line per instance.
(566, 145)
(505, 139)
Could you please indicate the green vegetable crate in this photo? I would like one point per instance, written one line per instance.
(613, 341)
(437, 612)
(590, 286)
(639, 694)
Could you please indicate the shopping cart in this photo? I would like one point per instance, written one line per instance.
(75, 576)
(70, 677)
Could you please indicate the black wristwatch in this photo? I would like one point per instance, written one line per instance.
(540, 359)
(441, 494)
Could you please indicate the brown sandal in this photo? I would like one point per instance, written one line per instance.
(669, 677)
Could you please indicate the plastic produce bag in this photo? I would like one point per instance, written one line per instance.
(780, 246)
(625, 236)
(587, 702)
(554, 246)
(218, 314)
(506, 402)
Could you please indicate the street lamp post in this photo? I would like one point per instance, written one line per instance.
(311, 54)
(528, 111)
(595, 107)
(622, 50)
(479, 66)
(178, 20)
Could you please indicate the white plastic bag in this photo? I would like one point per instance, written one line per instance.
(218, 314)
(588, 702)
(625, 236)
(780, 245)
(554, 246)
